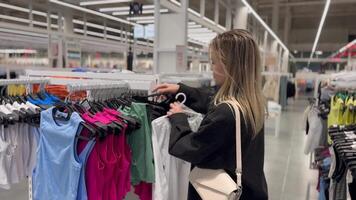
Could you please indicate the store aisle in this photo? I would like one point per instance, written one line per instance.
(287, 168)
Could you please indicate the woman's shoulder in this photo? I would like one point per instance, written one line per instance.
(222, 111)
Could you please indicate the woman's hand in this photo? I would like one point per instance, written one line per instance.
(175, 108)
(166, 88)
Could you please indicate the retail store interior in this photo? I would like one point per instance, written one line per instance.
(89, 51)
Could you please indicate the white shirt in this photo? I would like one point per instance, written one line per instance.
(171, 173)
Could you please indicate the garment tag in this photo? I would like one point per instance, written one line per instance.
(61, 115)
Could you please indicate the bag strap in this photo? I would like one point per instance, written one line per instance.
(236, 112)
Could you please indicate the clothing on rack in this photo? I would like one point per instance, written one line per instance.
(18, 135)
(171, 173)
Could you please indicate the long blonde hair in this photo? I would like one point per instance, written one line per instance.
(240, 56)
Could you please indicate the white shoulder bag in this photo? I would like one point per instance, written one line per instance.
(217, 184)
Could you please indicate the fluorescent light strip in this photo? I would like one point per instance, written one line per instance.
(347, 46)
(91, 12)
(90, 3)
(145, 22)
(143, 12)
(194, 26)
(264, 25)
(209, 20)
(194, 12)
(322, 21)
(191, 23)
(222, 27)
(114, 9)
(176, 3)
(141, 18)
(344, 48)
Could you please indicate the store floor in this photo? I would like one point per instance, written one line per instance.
(287, 168)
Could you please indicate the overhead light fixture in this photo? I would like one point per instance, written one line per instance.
(254, 13)
(145, 22)
(191, 23)
(222, 27)
(143, 12)
(193, 12)
(194, 26)
(91, 12)
(347, 46)
(126, 8)
(344, 48)
(319, 53)
(209, 20)
(200, 30)
(176, 2)
(141, 18)
(295, 51)
(90, 3)
(322, 21)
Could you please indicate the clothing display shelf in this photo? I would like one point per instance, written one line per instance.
(143, 82)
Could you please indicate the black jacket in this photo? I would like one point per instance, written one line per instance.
(213, 146)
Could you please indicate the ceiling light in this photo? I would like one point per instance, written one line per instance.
(209, 20)
(194, 12)
(126, 8)
(176, 2)
(295, 51)
(91, 12)
(191, 23)
(347, 46)
(90, 3)
(145, 22)
(318, 52)
(344, 48)
(141, 18)
(265, 25)
(194, 26)
(326, 9)
(143, 12)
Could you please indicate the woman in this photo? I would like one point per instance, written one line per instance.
(236, 66)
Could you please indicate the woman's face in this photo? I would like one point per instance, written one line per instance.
(218, 70)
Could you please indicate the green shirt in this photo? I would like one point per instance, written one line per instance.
(140, 141)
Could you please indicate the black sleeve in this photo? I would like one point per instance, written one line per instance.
(198, 99)
(216, 129)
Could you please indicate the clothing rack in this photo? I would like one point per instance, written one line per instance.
(141, 82)
(4, 82)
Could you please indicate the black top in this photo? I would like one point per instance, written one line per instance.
(213, 146)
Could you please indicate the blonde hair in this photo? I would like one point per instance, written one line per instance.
(240, 56)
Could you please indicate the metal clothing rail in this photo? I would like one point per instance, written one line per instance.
(136, 81)
(23, 81)
(96, 86)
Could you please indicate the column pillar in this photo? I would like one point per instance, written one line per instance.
(202, 8)
(216, 11)
(228, 16)
(241, 16)
(275, 16)
(287, 25)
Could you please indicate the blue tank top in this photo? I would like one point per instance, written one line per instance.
(58, 167)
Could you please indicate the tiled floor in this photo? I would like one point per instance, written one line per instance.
(287, 168)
